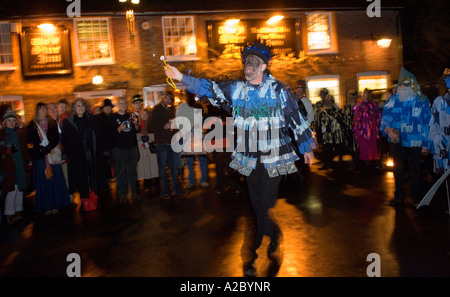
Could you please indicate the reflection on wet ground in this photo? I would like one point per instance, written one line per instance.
(330, 223)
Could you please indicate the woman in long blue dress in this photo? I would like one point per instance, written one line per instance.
(48, 179)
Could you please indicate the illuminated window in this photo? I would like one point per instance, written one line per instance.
(179, 38)
(5, 46)
(330, 82)
(16, 103)
(373, 80)
(153, 94)
(94, 41)
(319, 32)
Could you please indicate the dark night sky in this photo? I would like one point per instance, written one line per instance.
(425, 24)
(35, 7)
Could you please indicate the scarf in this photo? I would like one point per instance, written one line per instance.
(13, 139)
(42, 127)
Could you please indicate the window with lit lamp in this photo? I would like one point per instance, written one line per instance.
(372, 80)
(94, 42)
(320, 33)
(179, 38)
(330, 82)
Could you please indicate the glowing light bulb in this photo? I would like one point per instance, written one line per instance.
(48, 28)
(274, 19)
(98, 79)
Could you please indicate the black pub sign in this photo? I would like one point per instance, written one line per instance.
(232, 36)
(45, 51)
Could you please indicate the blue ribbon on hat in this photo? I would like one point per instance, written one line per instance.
(260, 50)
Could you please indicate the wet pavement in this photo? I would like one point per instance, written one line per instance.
(331, 222)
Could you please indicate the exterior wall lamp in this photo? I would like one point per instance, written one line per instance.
(275, 19)
(47, 28)
(97, 80)
(382, 41)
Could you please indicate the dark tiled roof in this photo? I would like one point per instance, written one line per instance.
(17, 8)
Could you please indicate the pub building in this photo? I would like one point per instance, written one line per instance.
(73, 49)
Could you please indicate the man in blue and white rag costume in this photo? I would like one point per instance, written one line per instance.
(440, 128)
(405, 122)
(264, 110)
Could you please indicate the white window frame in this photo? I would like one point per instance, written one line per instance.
(153, 94)
(179, 57)
(85, 62)
(7, 66)
(331, 31)
(337, 97)
(11, 99)
(372, 73)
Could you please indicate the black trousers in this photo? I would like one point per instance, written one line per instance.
(330, 150)
(263, 192)
(411, 157)
(225, 175)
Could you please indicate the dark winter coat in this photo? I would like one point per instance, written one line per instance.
(7, 164)
(83, 142)
(37, 151)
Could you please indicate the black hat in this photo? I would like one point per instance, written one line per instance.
(301, 84)
(137, 97)
(107, 102)
(258, 49)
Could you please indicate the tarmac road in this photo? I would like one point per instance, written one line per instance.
(334, 224)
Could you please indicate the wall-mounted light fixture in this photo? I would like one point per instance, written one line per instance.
(130, 22)
(275, 19)
(48, 28)
(231, 22)
(129, 15)
(382, 41)
(97, 80)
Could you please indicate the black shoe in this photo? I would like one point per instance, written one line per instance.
(182, 193)
(394, 202)
(249, 269)
(165, 196)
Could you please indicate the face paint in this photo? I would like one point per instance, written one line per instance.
(252, 67)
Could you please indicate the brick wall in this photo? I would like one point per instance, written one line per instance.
(357, 52)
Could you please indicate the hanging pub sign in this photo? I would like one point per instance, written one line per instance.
(232, 36)
(45, 50)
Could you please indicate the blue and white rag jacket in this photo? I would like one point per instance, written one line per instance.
(411, 117)
(440, 133)
(263, 116)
